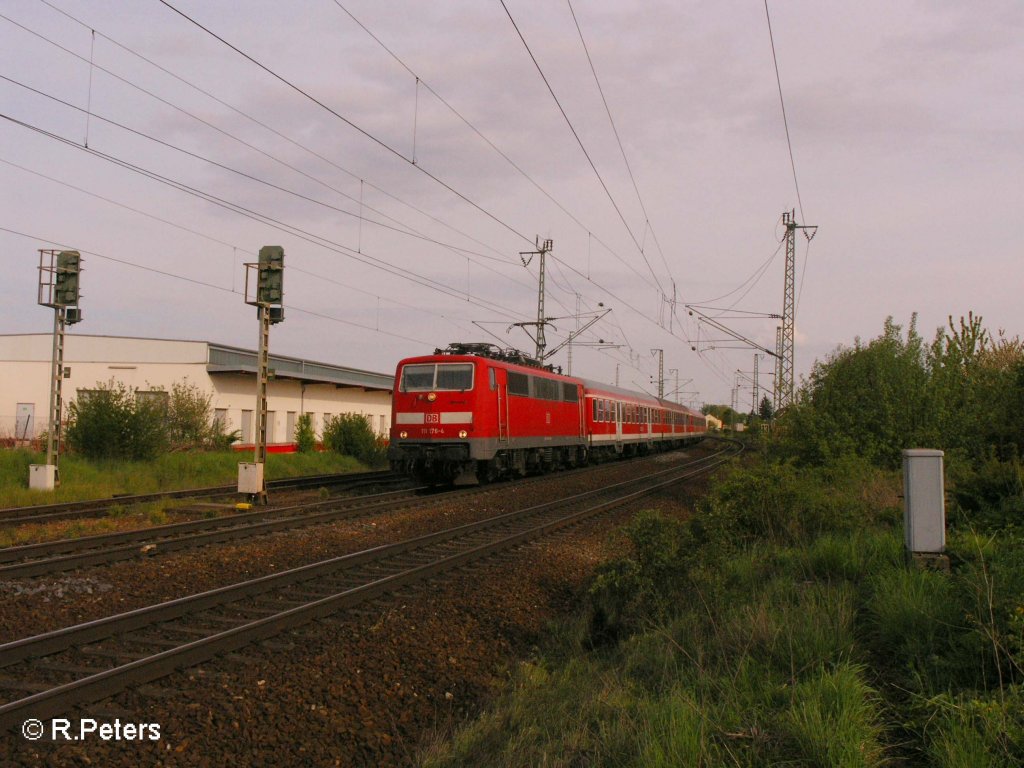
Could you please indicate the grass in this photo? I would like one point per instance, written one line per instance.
(119, 519)
(82, 479)
(740, 676)
(807, 646)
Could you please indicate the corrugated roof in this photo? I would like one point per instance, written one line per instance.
(224, 359)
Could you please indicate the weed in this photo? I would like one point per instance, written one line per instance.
(834, 720)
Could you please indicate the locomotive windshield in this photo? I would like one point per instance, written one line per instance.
(440, 376)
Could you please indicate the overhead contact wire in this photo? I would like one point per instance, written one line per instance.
(203, 283)
(579, 141)
(618, 139)
(264, 219)
(384, 145)
(483, 137)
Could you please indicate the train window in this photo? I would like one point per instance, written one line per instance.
(454, 376)
(545, 389)
(443, 376)
(417, 378)
(593, 405)
(569, 392)
(518, 384)
(492, 378)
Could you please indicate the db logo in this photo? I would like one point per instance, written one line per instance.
(433, 418)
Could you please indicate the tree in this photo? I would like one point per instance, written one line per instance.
(963, 394)
(766, 410)
(871, 400)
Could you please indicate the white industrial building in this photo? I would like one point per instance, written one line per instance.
(146, 365)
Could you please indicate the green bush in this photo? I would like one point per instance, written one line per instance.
(989, 495)
(350, 434)
(305, 438)
(189, 418)
(111, 422)
(628, 592)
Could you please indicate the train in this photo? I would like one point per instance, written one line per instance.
(474, 412)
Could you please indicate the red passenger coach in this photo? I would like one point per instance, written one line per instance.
(475, 412)
(629, 423)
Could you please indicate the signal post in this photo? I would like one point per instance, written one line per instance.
(59, 273)
(268, 299)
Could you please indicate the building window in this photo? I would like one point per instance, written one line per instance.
(290, 426)
(383, 424)
(157, 397)
(247, 426)
(220, 419)
(271, 418)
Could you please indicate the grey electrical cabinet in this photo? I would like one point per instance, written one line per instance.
(924, 515)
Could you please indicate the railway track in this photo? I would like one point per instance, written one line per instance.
(49, 674)
(45, 558)
(45, 513)
(32, 560)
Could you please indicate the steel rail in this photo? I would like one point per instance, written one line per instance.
(69, 554)
(32, 560)
(100, 685)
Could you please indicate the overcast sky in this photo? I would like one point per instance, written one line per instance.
(906, 121)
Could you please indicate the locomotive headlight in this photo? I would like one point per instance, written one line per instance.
(403, 435)
(463, 434)
(432, 396)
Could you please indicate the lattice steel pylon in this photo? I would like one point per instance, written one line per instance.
(661, 372)
(786, 363)
(778, 367)
(542, 251)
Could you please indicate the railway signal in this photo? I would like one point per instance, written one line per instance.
(268, 298)
(59, 281)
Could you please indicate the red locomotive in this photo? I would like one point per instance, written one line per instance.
(474, 412)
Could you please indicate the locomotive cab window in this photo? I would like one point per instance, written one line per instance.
(440, 376)
(454, 376)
